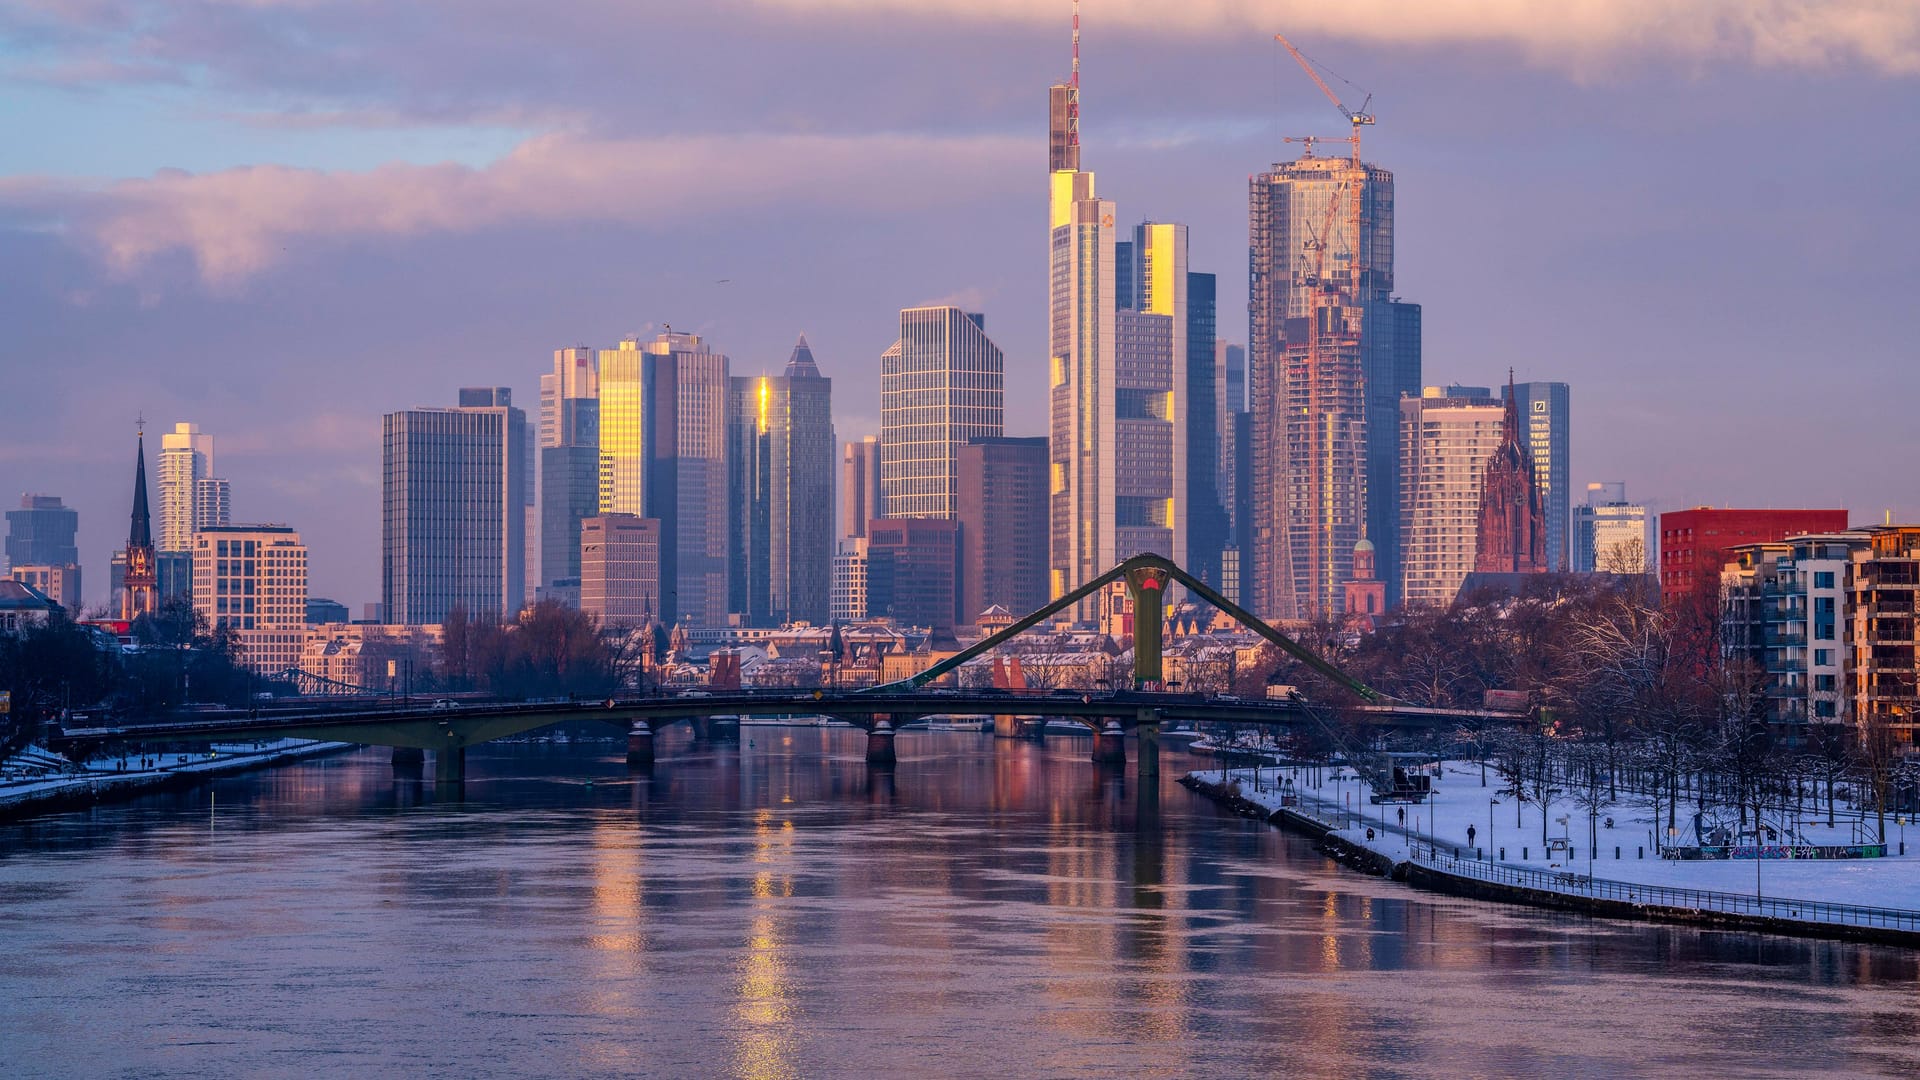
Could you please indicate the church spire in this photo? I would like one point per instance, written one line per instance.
(140, 534)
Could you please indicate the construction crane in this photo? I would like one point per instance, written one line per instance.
(1356, 118)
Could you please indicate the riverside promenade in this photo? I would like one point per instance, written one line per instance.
(37, 781)
(1621, 875)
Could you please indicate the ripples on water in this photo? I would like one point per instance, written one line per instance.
(778, 909)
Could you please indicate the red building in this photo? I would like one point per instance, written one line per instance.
(1694, 543)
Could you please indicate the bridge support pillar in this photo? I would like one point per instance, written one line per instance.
(880, 743)
(409, 759)
(1006, 726)
(640, 743)
(1149, 729)
(450, 765)
(1110, 743)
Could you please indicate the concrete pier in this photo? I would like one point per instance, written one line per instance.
(1006, 726)
(640, 743)
(880, 743)
(1110, 743)
(409, 760)
(450, 765)
(1148, 728)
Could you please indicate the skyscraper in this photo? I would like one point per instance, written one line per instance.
(780, 493)
(453, 515)
(569, 463)
(620, 569)
(924, 555)
(1546, 416)
(41, 532)
(940, 385)
(1204, 509)
(186, 459)
(1512, 531)
(1120, 396)
(1446, 437)
(1330, 353)
(860, 499)
(1003, 525)
(663, 455)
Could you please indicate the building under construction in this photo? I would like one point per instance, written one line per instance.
(1330, 352)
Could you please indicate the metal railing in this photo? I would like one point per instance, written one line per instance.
(1667, 896)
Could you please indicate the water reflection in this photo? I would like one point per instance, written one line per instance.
(776, 908)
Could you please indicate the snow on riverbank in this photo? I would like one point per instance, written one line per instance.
(35, 776)
(1459, 801)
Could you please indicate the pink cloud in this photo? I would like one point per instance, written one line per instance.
(237, 222)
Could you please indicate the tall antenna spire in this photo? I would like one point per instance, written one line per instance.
(1073, 87)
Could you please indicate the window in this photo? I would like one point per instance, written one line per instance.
(1823, 682)
(1823, 657)
(1823, 579)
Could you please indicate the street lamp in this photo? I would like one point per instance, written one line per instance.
(1491, 803)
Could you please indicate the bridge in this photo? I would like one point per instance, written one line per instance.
(448, 728)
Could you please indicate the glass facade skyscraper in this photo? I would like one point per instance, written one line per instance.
(940, 385)
(569, 470)
(1546, 417)
(780, 493)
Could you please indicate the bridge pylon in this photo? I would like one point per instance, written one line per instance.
(640, 743)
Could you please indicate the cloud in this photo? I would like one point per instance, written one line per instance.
(1882, 34)
(237, 222)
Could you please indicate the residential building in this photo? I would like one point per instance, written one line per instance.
(1003, 525)
(191, 497)
(1330, 353)
(1609, 534)
(1883, 673)
(1784, 610)
(23, 607)
(620, 569)
(940, 385)
(780, 494)
(569, 462)
(1446, 440)
(925, 556)
(383, 658)
(1694, 543)
(663, 455)
(860, 499)
(41, 532)
(61, 584)
(252, 580)
(1512, 531)
(1546, 416)
(453, 516)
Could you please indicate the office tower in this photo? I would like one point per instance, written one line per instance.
(862, 581)
(1204, 509)
(322, 611)
(860, 498)
(252, 580)
(940, 385)
(1546, 416)
(663, 455)
(569, 462)
(139, 591)
(1694, 543)
(1512, 532)
(1003, 525)
(620, 569)
(1330, 354)
(60, 584)
(925, 559)
(780, 494)
(190, 496)
(41, 532)
(453, 520)
(1445, 441)
(1609, 534)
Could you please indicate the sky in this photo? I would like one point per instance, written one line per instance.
(280, 219)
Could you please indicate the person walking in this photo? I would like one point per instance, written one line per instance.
(1469, 836)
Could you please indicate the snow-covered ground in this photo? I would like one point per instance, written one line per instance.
(35, 774)
(1459, 801)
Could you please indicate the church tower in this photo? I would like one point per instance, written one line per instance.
(141, 592)
(1513, 526)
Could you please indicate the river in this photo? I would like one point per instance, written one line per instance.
(779, 909)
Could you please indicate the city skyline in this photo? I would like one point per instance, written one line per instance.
(129, 290)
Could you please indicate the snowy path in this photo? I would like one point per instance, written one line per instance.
(1459, 801)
